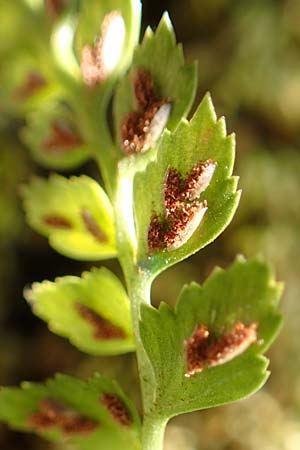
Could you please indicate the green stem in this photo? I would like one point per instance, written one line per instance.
(139, 289)
(138, 281)
(104, 155)
(90, 107)
(153, 433)
(91, 115)
(139, 285)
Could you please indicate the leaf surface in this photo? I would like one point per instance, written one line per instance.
(75, 214)
(84, 409)
(53, 138)
(200, 140)
(173, 79)
(93, 311)
(245, 293)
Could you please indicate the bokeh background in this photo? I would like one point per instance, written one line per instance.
(249, 59)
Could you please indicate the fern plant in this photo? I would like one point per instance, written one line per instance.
(167, 192)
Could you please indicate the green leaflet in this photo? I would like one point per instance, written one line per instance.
(53, 138)
(247, 293)
(85, 401)
(203, 138)
(92, 311)
(120, 49)
(27, 84)
(163, 59)
(75, 214)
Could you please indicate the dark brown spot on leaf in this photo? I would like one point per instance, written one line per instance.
(52, 414)
(62, 138)
(139, 128)
(57, 222)
(54, 7)
(103, 328)
(183, 211)
(92, 226)
(204, 350)
(173, 188)
(117, 409)
(32, 84)
(144, 89)
(157, 233)
(172, 232)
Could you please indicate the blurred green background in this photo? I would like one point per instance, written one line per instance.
(249, 59)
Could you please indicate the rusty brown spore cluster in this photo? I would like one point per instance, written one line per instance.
(92, 66)
(60, 222)
(103, 329)
(54, 8)
(117, 409)
(183, 211)
(92, 226)
(203, 350)
(32, 84)
(62, 139)
(52, 414)
(136, 125)
(56, 221)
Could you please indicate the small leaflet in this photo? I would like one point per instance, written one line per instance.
(92, 311)
(75, 214)
(208, 350)
(73, 413)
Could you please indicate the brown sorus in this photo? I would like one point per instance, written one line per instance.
(56, 221)
(144, 89)
(135, 128)
(117, 409)
(175, 230)
(198, 179)
(92, 226)
(53, 414)
(183, 211)
(33, 83)
(204, 350)
(62, 138)
(173, 188)
(103, 328)
(54, 7)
